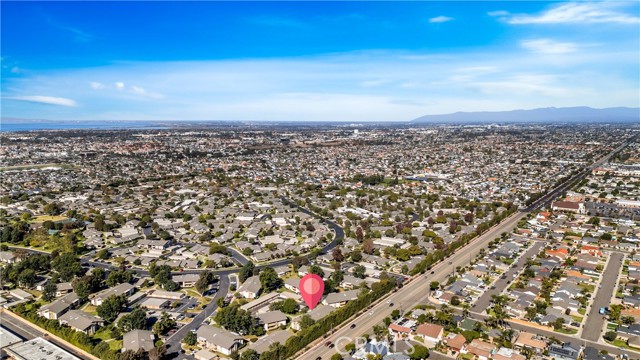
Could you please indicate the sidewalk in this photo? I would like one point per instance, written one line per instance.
(66, 345)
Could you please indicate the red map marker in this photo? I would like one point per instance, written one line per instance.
(311, 287)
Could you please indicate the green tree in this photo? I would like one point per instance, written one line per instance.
(315, 269)
(610, 336)
(67, 265)
(246, 271)
(103, 254)
(137, 319)
(206, 277)
(419, 352)
(306, 321)
(52, 208)
(359, 271)
(250, 354)
(82, 287)
(111, 307)
(49, 291)
(190, 339)
(163, 325)
(289, 306)
(27, 278)
(171, 286)
(270, 280)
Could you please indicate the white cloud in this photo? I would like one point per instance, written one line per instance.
(141, 91)
(50, 100)
(15, 70)
(96, 85)
(548, 46)
(574, 12)
(440, 19)
(361, 86)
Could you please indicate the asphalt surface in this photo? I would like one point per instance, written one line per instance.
(416, 291)
(485, 300)
(28, 331)
(412, 294)
(595, 322)
(173, 343)
(562, 337)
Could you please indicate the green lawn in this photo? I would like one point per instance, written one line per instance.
(618, 343)
(25, 247)
(115, 344)
(567, 331)
(582, 311)
(43, 218)
(103, 334)
(590, 288)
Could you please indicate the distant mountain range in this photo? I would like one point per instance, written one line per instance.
(581, 114)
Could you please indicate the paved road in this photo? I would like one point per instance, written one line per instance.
(28, 331)
(485, 300)
(595, 322)
(174, 342)
(562, 337)
(412, 294)
(417, 290)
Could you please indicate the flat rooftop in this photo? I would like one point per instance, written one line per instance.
(7, 338)
(38, 349)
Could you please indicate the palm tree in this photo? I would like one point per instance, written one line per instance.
(465, 310)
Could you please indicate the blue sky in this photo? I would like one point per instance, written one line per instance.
(346, 61)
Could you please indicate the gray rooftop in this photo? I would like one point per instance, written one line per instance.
(38, 349)
(7, 338)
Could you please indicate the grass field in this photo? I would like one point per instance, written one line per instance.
(115, 344)
(43, 218)
(26, 247)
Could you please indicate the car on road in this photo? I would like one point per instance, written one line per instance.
(328, 343)
(352, 326)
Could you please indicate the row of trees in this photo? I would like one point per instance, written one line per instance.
(307, 335)
(77, 338)
(437, 255)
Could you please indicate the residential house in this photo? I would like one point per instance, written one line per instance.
(480, 348)
(186, 280)
(455, 342)
(530, 341)
(565, 351)
(319, 312)
(8, 257)
(250, 288)
(81, 321)
(125, 289)
(263, 344)
(219, 340)
(272, 319)
(138, 340)
(337, 300)
(60, 306)
(431, 333)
